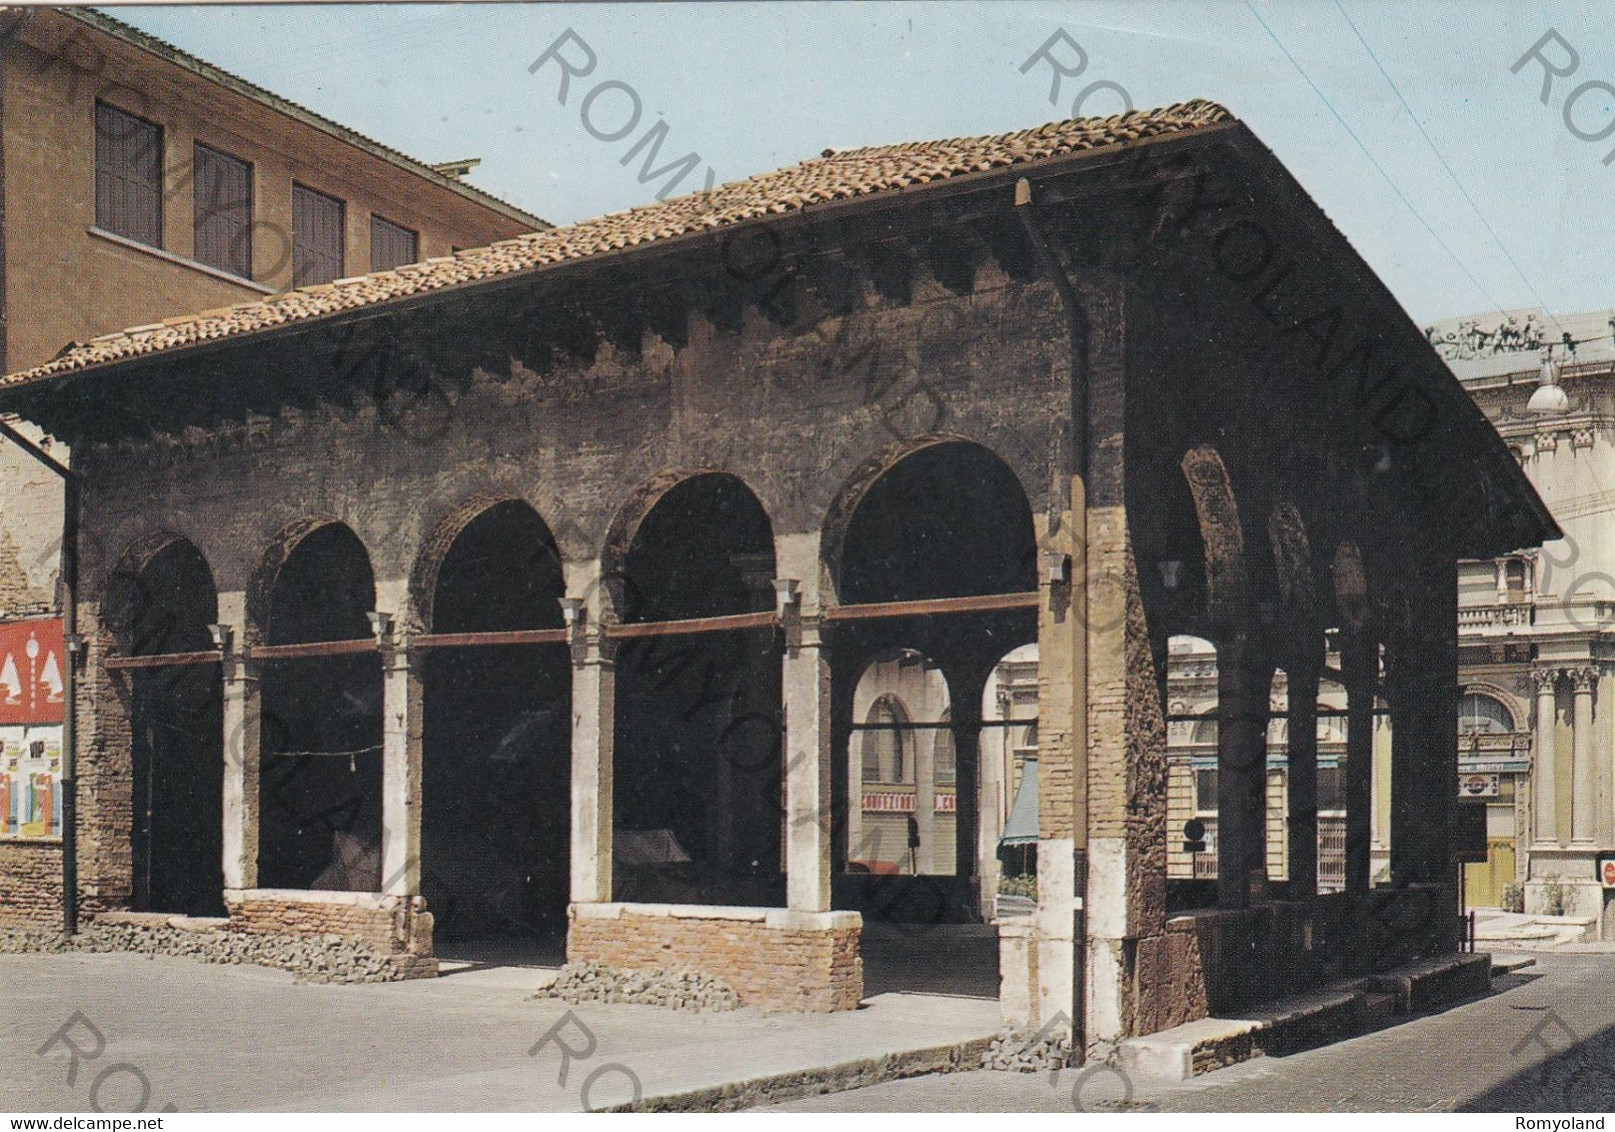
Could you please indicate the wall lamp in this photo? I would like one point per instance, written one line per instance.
(786, 595)
(381, 624)
(1058, 566)
(571, 610)
(222, 635)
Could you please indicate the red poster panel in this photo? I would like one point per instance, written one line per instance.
(31, 672)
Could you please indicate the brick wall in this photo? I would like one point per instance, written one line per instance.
(30, 883)
(393, 925)
(773, 959)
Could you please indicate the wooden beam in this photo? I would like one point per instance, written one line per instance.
(479, 640)
(162, 660)
(313, 648)
(928, 607)
(728, 624)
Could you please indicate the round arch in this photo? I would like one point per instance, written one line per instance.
(845, 504)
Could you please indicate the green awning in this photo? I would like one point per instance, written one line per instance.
(1021, 828)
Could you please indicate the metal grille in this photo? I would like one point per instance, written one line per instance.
(317, 242)
(1331, 854)
(391, 245)
(128, 175)
(223, 212)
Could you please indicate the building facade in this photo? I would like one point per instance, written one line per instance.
(139, 183)
(592, 608)
(1537, 738)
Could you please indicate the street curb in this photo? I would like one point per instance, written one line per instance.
(735, 1096)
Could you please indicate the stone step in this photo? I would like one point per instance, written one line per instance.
(1305, 1021)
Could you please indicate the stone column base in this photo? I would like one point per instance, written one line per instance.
(773, 958)
(396, 926)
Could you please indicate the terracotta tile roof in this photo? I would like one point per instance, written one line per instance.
(835, 176)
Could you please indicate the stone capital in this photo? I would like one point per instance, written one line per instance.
(1543, 679)
(1583, 677)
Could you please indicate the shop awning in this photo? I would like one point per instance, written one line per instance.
(1021, 828)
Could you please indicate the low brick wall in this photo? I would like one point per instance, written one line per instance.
(31, 883)
(393, 925)
(773, 958)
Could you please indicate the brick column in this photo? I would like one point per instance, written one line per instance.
(242, 748)
(966, 714)
(1360, 672)
(1584, 797)
(1302, 775)
(1544, 770)
(1244, 683)
(1423, 689)
(594, 722)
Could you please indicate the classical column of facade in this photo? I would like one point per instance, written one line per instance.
(1544, 770)
(242, 747)
(1584, 795)
(809, 809)
(401, 748)
(594, 721)
(1244, 683)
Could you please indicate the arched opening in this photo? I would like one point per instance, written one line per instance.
(1481, 714)
(945, 524)
(888, 744)
(900, 816)
(1192, 779)
(177, 733)
(1009, 783)
(496, 756)
(320, 784)
(698, 772)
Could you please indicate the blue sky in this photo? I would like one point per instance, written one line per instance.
(1471, 195)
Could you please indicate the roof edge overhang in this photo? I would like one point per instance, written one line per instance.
(654, 251)
(1536, 523)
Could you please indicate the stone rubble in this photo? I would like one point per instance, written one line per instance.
(676, 990)
(314, 959)
(1028, 1051)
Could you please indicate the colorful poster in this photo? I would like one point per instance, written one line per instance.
(30, 782)
(31, 672)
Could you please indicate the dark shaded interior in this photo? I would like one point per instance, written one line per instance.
(950, 520)
(698, 751)
(320, 786)
(177, 722)
(497, 736)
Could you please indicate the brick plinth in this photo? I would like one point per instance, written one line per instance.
(773, 958)
(30, 883)
(398, 926)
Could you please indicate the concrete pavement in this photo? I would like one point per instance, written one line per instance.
(1543, 1041)
(203, 1037)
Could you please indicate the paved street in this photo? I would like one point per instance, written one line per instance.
(1544, 1042)
(203, 1037)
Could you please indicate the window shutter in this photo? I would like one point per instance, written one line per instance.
(223, 186)
(128, 175)
(317, 242)
(391, 245)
